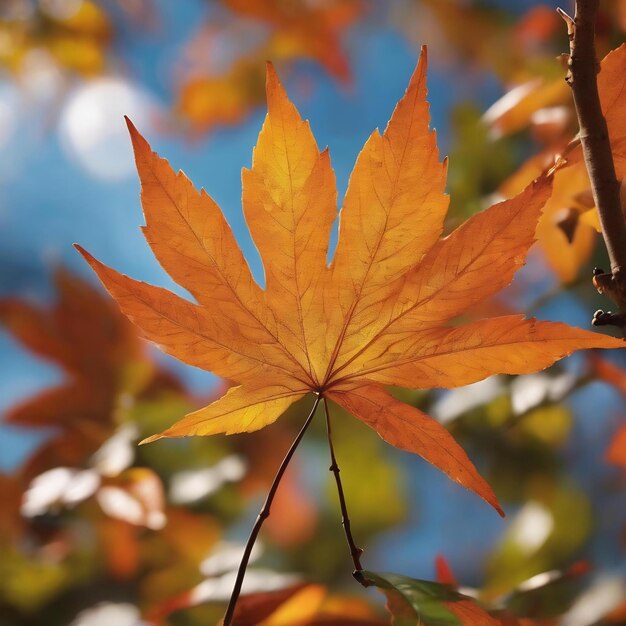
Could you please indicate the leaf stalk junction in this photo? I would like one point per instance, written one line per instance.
(355, 551)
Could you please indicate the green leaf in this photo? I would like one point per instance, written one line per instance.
(411, 601)
(414, 602)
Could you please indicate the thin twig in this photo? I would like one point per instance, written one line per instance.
(355, 552)
(263, 515)
(594, 136)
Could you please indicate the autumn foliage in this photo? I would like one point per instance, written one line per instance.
(369, 310)
(378, 314)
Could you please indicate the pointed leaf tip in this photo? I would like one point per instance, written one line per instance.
(86, 255)
(271, 76)
(492, 499)
(81, 250)
(136, 137)
(277, 98)
(96, 265)
(444, 574)
(132, 129)
(150, 439)
(421, 67)
(407, 428)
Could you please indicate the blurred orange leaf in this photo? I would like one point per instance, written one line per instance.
(97, 349)
(294, 518)
(445, 575)
(292, 30)
(568, 249)
(616, 452)
(515, 110)
(301, 604)
(208, 101)
(609, 372)
(305, 29)
(120, 547)
(104, 363)
(11, 522)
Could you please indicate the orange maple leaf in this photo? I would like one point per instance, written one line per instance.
(102, 360)
(380, 314)
(94, 345)
(305, 29)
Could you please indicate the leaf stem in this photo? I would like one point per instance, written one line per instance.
(263, 515)
(355, 552)
(594, 136)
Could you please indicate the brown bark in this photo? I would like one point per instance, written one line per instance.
(594, 136)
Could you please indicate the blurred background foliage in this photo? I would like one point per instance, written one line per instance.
(97, 531)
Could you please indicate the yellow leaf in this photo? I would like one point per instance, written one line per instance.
(515, 109)
(382, 234)
(591, 218)
(298, 609)
(290, 204)
(241, 409)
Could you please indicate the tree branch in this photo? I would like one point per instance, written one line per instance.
(263, 515)
(594, 136)
(355, 552)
